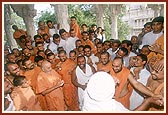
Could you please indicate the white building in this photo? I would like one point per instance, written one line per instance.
(136, 16)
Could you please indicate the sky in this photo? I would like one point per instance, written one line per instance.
(42, 7)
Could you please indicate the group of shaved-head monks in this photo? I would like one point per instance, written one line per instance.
(53, 71)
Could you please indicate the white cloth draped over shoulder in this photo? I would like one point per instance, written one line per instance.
(98, 95)
(83, 79)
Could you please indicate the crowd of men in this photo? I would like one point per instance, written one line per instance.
(53, 70)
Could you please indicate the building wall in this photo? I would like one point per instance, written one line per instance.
(136, 16)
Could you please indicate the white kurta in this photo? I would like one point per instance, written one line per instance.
(11, 105)
(143, 78)
(94, 59)
(150, 38)
(69, 44)
(53, 47)
(82, 78)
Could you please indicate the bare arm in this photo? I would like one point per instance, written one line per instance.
(147, 102)
(139, 86)
(59, 84)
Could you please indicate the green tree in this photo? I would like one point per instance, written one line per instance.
(83, 13)
(123, 28)
(46, 15)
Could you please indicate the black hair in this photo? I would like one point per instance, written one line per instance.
(17, 81)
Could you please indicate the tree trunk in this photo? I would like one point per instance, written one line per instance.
(8, 29)
(27, 12)
(99, 15)
(115, 10)
(61, 11)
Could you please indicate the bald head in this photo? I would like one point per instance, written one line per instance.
(13, 69)
(46, 66)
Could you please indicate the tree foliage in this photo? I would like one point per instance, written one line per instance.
(85, 15)
(46, 15)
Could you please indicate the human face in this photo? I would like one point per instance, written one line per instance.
(62, 57)
(27, 52)
(29, 46)
(134, 40)
(72, 56)
(106, 45)
(40, 47)
(39, 63)
(148, 28)
(157, 27)
(72, 33)
(117, 65)
(50, 25)
(64, 35)
(47, 39)
(99, 48)
(7, 87)
(84, 36)
(12, 58)
(81, 62)
(38, 39)
(145, 51)
(14, 69)
(25, 84)
(47, 67)
(73, 20)
(16, 52)
(51, 59)
(94, 28)
(157, 75)
(114, 47)
(42, 25)
(84, 28)
(56, 40)
(139, 62)
(78, 43)
(80, 51)
(104, 59)
(87, 52)
(120, 53)
(29, 65)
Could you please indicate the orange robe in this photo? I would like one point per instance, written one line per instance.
(54, 99)
(106, 68)
(25, 99)
(19, 33)
(70, 91)
(31, 76)
(77, 29)
(159, 41)
(88, 42)
(158, 91)
(122, 76)
(45, 31)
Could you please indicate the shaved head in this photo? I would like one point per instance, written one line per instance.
(46, 66)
